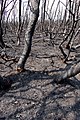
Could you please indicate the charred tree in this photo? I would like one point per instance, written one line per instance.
(2, 45)
(20, 1)
(43, 9)
(71, 26)
(34, 8)
(19, 26)
(71, 72)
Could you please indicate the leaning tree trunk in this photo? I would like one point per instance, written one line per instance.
(34, 8)
(71, 72)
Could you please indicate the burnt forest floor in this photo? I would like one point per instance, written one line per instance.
(34, 95)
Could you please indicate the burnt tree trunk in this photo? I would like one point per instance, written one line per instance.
(71, 72)
(2, 45)
(43, 14)
(19, 26)
(34, 7)
(20, 1)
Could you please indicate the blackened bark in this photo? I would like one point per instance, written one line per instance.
(71, 72)
(34, 7)
(19, 27)
(2, 45)
(20, 13)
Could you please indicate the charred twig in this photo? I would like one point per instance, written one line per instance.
(8, 58)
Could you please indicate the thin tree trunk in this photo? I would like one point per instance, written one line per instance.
(20, 1)
(19, 27)
(34, 7)
(2, 45)
(44, 8)
(43, 13)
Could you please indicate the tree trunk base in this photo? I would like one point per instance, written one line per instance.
(20, 69)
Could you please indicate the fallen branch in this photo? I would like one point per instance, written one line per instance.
(71, 72)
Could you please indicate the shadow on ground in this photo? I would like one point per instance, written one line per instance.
(34, 96)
